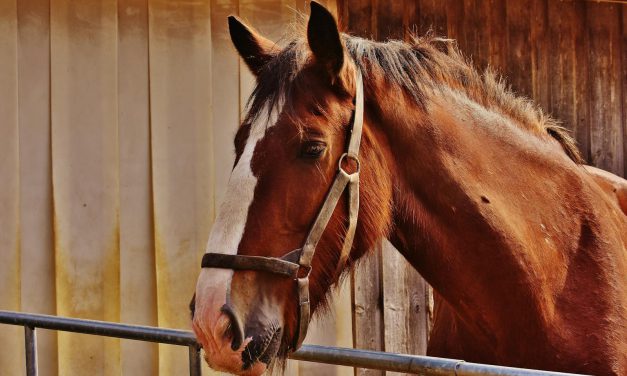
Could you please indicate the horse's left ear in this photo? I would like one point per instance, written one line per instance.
(324, 40)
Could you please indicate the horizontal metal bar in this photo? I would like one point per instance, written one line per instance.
(311, 353)
(408, 363)
(102, 328)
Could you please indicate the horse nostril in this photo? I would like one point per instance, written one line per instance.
(234, 329)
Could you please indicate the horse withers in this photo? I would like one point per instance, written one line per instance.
(482, 193)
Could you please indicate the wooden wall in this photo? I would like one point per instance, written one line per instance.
(570, 56)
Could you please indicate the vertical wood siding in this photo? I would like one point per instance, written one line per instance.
(568, 56)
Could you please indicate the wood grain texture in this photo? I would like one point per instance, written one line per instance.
(519, 45)
(606, 134)
(432, 17)
(624, 81)
(568, 74)
(540, 80)
(405, 305)
(367, 296)
(497, 37)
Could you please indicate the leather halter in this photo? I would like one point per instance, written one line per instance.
(290, 264)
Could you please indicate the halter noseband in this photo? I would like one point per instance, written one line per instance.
(290, 264)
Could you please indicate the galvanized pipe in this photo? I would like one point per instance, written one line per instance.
(102, 328)
(322, 354)
(424, 365)
(30, 344)
(194, 360)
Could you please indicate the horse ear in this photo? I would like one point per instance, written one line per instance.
(324, 39)
(252, 47)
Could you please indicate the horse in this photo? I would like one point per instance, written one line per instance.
(485, 195)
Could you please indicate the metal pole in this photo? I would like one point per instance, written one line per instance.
(311, 353)
(194, 360)
(30, 342)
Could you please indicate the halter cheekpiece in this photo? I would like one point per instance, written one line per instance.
(300, 259)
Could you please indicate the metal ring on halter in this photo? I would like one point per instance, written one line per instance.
(347, 156)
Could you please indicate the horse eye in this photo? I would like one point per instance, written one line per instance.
(312, 149)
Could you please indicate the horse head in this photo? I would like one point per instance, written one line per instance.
(290, 150)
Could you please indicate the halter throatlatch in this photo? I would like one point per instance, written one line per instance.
(290, 264)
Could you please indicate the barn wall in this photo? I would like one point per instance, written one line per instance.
(115, 150)
(567, 55)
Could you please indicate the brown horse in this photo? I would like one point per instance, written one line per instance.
(480, 191)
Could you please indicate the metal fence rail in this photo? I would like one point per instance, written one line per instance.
(322, 354)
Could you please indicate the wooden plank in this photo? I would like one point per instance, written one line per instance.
(568, 68)
(182, 165)
(361, 18)
(497, 35)
(404, 320)
(540, 53)
(390, 20)
(138, 299)
(624, 80)
(36, 240)
(518, 47)
(455, 21)
(367, 307)
(432, 16)
(405, 305)
(410, 19)
(366, 289)
(605, 86)
(11, 353)
(475, 43)
(85, 178)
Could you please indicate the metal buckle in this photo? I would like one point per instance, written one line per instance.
(307, 274)
(347, 156)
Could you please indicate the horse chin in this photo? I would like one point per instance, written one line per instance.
(257, 369)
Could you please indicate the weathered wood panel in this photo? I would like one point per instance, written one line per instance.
(606, 138)
(568, 56)
(384, 318)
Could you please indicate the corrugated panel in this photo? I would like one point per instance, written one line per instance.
(37, 244)
(12, 344)
(182, 163)
(85, 177)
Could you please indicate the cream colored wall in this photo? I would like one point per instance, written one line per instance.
(115, 148)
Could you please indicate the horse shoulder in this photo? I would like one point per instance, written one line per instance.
(614, 186)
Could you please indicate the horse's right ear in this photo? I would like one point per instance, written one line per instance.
(252, 47)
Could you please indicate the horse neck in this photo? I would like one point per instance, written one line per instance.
(465, 179)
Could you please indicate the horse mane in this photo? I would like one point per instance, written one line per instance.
(428, 63)
(418, 67)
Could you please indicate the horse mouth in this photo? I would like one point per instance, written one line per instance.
(262, 350)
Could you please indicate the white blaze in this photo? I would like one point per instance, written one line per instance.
(228, 229)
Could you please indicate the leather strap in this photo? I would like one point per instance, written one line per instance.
(259, 263)
(285, 265)
(342, 179)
